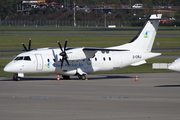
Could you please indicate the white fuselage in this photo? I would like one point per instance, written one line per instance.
(48, 60)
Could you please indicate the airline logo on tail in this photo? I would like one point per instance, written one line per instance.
(146, 34)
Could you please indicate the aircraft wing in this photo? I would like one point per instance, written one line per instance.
(96, 49)
(90, 52)
(102, 49)
(83, 53)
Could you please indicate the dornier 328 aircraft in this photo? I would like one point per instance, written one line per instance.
(82, 61)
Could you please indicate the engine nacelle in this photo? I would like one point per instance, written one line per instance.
(79, 54)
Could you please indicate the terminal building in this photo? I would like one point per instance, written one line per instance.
(25, 6)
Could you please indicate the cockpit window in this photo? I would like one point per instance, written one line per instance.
(27, 58)
(19, 58)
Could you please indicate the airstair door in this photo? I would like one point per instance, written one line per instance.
(39, 62)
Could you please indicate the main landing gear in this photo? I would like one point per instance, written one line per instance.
(82, 77)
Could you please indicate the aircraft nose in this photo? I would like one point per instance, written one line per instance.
(173, 67)
(7, 68)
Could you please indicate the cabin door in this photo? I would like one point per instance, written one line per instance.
(39, 62)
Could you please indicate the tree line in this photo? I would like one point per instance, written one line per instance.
(8, 9)
(154, 2)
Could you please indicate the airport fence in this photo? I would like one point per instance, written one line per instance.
(63, 23)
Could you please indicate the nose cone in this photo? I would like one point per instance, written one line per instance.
(175, 66)
(171, 67)
(8, 67)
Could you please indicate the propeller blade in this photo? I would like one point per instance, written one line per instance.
(62, 62)
(63, 54)
(60, 46)
(24, 47)
(65, 45)
(29, 44)
(67, 62)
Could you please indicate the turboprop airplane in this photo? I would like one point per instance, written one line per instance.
(175, 66)
(82, 61)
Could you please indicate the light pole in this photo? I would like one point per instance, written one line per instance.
(105, 20)
(64, 3)
(102, 7)
(74, 15)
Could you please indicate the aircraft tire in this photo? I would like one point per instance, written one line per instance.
(82, 77)
(16, 78)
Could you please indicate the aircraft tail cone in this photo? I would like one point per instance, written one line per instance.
(58, 78)
(136, 78)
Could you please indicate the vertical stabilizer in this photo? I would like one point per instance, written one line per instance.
(144, 40)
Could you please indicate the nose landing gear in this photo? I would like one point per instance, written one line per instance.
(16, 78)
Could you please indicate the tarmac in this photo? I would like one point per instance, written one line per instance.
(155, 96)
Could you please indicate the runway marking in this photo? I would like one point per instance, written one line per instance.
(39, 97)
(121, 97)
(46, 97)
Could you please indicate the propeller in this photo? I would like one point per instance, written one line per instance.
(63, 53)
(29, 47)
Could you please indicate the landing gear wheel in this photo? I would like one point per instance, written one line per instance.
(16, 78)
(82, 77)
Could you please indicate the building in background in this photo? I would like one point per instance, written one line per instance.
(25, 6)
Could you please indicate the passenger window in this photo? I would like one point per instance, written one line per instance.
(19, 58)
(109, 58)
(104, 58)
(95, 59)
(27, 58)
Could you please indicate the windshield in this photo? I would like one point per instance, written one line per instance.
(19, 58)
(27, 58)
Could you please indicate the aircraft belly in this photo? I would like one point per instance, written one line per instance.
(102, 66)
